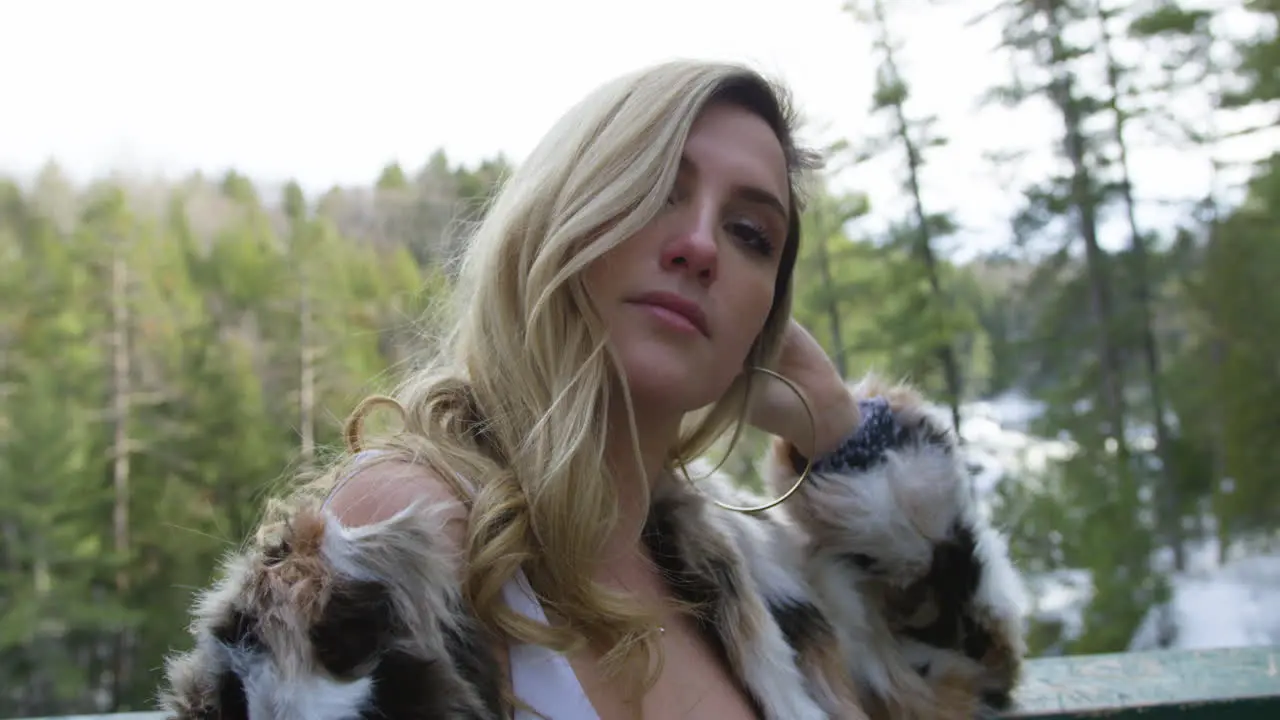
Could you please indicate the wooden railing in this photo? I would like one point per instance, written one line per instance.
(1237, 684)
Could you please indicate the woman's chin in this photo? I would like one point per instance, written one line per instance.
(668, 383)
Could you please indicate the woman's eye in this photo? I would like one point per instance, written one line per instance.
(754, 237)
(674, 195)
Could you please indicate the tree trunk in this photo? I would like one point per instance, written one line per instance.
(840, 358)
(1169, 500)
(120, 450)
(307, 376)
(1110, 370)
(945, 351)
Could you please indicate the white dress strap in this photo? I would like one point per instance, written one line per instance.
(540, 677)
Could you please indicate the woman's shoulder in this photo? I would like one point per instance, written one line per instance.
(378, 489)
(341, 596)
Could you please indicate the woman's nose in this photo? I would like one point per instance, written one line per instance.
(692, 248)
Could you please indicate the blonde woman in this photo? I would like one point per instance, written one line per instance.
(529, 545)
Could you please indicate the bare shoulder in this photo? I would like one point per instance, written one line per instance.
(378, 490)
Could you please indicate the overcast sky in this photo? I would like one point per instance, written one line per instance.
(329, 92)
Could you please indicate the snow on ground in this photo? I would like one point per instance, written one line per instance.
(997, 441)
(1233, 604)
(1236, 604)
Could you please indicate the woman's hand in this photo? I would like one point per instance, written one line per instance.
(775, 408)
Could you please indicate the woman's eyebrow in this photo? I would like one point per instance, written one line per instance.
(749, 193)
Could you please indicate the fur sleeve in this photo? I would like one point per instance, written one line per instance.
(325, 622)
(920, 588)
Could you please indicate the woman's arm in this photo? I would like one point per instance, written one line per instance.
(350, 610)
(920, 587)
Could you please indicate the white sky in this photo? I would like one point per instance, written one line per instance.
(328, 92)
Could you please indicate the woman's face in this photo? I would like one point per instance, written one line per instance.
(686, 297)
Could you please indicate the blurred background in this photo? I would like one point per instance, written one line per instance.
(221, 222)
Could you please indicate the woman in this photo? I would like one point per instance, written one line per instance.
(528, 542)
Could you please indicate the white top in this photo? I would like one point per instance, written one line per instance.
(541, 677)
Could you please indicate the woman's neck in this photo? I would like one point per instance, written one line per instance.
(635, 481)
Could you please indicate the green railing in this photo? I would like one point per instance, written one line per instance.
(1221, 684)
(1237, 684)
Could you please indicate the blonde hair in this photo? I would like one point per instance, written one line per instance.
(515, 398)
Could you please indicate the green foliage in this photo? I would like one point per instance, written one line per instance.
(1235, 299)
(214, 368)
(1167, 328)
(1170, 19)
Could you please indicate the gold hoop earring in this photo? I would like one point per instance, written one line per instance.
(813, 428)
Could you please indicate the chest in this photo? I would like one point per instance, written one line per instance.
(694, 683)
(695, 680)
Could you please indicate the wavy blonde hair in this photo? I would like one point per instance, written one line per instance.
(515, 398)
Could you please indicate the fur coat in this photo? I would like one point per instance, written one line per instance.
(876, 591)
